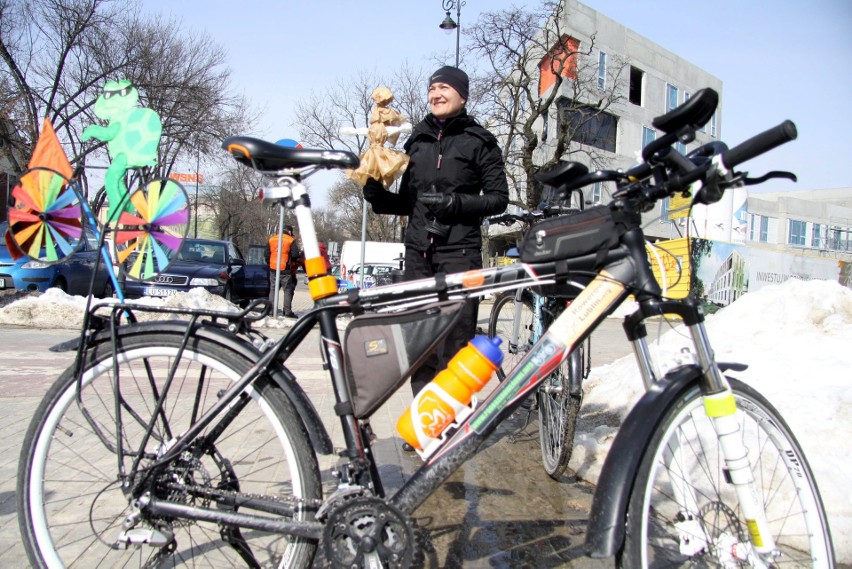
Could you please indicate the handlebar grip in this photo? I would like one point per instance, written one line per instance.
(757, 145)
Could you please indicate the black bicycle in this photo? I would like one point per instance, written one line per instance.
(185, 442)
(520, 317)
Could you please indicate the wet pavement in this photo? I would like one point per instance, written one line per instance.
(500, 509)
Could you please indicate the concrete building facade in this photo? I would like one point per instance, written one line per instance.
(812, 222)
(647, 80)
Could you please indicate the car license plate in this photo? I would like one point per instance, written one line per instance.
(159, 292)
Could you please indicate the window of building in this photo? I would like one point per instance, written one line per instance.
(764, 229)
(648, 136)
(839, 239)
(797, 232)
(816, 236)
(713, 125)
(597, 192)
(635, 91)
(680, 147)
(685, 96)
(753, 221)
(601, 70)
(587, 125)
(671, 97)
(560, 60)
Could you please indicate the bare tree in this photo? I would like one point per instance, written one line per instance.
(522, 50)
(57, 54)
(347, 199)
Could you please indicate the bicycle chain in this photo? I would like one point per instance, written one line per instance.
(209, 492)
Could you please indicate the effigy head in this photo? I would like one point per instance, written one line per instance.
(382, 96)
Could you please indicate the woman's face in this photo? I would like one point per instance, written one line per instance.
(444, 101)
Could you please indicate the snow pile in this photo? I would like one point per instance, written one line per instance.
(56, 309)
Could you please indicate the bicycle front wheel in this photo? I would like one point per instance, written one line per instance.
(513, 322)
(70, 499)
(558, 410)
(683, 512)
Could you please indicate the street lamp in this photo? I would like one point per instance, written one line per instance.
(449, 24)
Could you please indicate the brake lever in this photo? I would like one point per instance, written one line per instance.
(768, 176)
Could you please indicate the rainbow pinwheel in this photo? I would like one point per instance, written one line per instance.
(45, 219)
(155, 230)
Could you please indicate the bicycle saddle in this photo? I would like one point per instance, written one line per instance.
(266, 156)
(562, 173)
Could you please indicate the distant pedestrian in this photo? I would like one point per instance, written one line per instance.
(283, 253)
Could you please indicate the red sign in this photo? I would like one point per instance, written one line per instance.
(187, 178)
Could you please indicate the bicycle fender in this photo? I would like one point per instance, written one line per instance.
(317, 432)
(320, 439)
(605, 532)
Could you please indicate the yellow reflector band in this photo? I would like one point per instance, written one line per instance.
(755, 533)
(720, 405)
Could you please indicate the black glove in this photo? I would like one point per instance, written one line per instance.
(439, 204)
(373, 189)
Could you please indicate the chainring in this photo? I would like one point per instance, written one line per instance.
(368, 532)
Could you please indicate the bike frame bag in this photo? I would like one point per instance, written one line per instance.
(381, 351)
(565, 236)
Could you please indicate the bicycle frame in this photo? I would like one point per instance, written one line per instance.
(625, 271)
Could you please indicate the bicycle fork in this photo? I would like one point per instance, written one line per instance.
(721, 408)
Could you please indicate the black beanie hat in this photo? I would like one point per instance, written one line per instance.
(454, 77)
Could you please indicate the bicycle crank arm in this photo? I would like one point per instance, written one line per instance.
(311, 530)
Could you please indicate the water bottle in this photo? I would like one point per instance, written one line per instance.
(450, 393)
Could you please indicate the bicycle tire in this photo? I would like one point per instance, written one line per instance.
(71, 513)
(500, 324)
(658, 534)
(558, 410)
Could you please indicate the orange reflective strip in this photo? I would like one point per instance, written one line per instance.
(472, 279)
(240, 148)
(322, 287)
(315, 266)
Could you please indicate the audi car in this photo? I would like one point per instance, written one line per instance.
(217, 266)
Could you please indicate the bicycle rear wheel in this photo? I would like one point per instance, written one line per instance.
(70, 499)
(501, 321)
(558, 410)
(683, 459)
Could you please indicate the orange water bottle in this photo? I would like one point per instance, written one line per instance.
(448, 396)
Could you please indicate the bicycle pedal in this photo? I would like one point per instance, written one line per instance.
(142, 536)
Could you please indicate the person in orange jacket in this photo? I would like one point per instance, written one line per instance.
(289, 257)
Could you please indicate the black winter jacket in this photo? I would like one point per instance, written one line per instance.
(461, 158)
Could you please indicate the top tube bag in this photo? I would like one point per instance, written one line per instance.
(382, 350)
(592, 230)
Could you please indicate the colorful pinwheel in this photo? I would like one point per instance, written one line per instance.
(45, 219)
(155, 230)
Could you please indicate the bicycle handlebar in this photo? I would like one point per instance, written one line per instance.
(759, 144)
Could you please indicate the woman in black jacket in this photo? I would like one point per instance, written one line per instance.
(454, 179)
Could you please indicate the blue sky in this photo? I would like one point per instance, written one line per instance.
(777, 59)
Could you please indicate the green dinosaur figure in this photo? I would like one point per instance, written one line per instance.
(132, 135)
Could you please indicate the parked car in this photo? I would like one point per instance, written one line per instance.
(217, 266)
(73, 275)
(374, 274)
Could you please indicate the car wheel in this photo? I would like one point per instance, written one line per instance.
(109, 290)
(61, 285)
